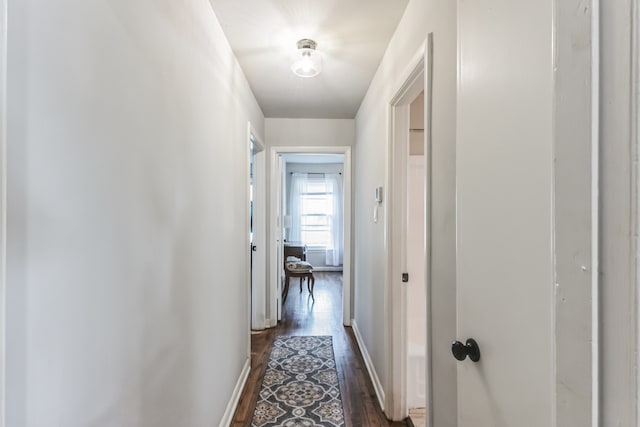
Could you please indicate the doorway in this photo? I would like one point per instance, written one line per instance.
(257, 231)
(313, 218)
(420, 317)
(415, 264)
(396, 397)
(284, 228)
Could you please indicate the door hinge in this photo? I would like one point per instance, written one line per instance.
(405, 277)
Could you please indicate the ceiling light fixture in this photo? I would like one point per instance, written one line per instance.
(308, 61)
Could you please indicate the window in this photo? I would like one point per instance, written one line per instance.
(316, 210)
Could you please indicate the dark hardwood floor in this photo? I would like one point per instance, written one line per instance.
(303, 316)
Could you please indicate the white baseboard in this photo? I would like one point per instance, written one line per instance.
(235, 397)
(377, 385)
(259, 325)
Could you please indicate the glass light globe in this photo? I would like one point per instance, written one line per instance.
(309, 60)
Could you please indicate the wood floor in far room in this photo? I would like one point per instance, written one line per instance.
(302, 316)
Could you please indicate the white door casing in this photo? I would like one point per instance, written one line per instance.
(635, 143)
(3, 204)
(415, 80)
(619, 205)
(576, 213)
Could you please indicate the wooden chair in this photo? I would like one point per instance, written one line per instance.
(298, 251)
(288, 274)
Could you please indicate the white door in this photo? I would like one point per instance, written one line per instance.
(258, 237)
(505, 213)
(278, 180)
(526, 169)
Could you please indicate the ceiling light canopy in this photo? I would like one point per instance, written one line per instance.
(308, 61)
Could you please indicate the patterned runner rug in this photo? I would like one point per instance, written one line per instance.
(300, 386)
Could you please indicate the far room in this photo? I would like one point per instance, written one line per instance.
(313, 227)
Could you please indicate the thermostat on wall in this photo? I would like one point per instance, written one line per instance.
(379, 194)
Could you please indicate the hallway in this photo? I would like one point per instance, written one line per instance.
(126, 295)
(302, 316)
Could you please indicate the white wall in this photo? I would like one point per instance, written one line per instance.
(420, 18)
(127, 287)
(309, 132)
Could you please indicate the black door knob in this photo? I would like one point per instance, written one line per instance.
(470, 348)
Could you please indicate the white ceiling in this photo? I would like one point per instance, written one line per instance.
(352, 36)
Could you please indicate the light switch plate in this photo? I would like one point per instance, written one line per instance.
(379, 194)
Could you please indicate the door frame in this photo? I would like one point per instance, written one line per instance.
(415, 80)
(275, 224)
(3, 205)
(635, 142)
(576, 216)
(257, 295)
(635, 220)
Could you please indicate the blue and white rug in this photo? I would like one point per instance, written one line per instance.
(300, 386)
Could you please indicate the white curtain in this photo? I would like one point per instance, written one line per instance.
(298, 181)
(335, 248)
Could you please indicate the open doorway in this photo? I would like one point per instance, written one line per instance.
(257, 231)
(420, 209)
(311, 220)
(415, 261)
(430, 260)
(406, 248)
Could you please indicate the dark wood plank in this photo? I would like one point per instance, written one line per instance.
(304, 316)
